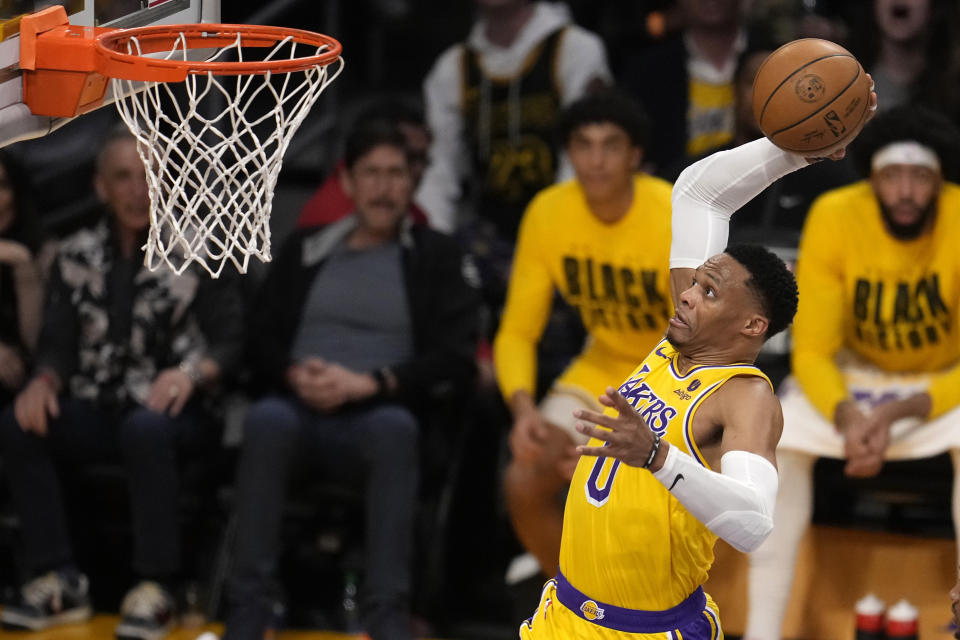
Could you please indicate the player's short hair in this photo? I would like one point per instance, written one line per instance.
(367, 135)
(601, 107)
(909, 123)
(771, 281)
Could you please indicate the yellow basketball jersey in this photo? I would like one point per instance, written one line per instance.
(626, 540)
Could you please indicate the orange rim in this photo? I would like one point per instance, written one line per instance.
(112, 46)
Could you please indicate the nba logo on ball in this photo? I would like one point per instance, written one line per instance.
(591, 611)
(835, 123)
(810, 88)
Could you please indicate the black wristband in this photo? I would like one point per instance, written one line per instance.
(381, 377)
(653, 452)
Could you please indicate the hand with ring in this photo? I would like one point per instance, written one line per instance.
(170, 391)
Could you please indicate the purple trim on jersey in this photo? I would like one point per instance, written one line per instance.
(631, 620)
(708, 367)
(688, 422)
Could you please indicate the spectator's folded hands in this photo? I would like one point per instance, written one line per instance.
(327, 386)
(866, 437)
(170, 391)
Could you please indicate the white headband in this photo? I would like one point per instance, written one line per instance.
(906, 152)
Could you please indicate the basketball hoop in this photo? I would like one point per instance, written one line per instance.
(211, 133)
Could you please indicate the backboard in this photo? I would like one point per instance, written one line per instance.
(16, 121)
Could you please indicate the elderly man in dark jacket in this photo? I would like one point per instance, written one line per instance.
(357, 325)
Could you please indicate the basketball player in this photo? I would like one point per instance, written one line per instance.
(690, 454)
(579, 237)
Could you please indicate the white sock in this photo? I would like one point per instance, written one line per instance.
(772, 565)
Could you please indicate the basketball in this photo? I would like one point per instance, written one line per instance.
(810, 96)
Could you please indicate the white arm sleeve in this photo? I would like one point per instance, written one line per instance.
(708, 192)
(736, 505)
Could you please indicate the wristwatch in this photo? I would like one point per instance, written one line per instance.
(383, 385)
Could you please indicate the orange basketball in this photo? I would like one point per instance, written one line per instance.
(810, 96)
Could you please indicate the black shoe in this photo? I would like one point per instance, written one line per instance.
(52, 599)
(148, 613)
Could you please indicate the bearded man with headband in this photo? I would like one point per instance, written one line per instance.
(876, 357)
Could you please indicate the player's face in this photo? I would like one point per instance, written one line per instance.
(604, 159)
(381, 187)
(121, 184)
(902, 20)
(7, 204)
(907, 195)
(714, 310)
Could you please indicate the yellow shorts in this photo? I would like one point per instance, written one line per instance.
(555, 621)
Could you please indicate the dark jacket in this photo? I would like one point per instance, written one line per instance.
(444, 305)
(658, 78)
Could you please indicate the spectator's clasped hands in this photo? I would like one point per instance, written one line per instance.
(170, 391)
(327, 386)
(866, 438)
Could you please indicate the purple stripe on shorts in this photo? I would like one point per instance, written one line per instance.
(630, 620)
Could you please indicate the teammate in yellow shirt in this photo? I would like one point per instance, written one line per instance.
(603, 241)
(876, 356)
(687, 453)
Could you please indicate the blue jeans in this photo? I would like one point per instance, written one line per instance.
(374, 446)
(146, 441)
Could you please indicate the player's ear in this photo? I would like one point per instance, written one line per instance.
(637, 157)
(755, 325)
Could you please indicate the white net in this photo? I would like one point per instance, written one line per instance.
(213, 148)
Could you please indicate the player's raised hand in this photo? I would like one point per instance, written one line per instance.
(627, 437)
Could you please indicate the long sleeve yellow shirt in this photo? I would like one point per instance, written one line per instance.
(616, 275)
(893, 302)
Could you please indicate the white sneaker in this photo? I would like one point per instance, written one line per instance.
(522, 567)
(148, 612)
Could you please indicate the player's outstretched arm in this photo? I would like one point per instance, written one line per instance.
(709, 191)
(735, 504)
